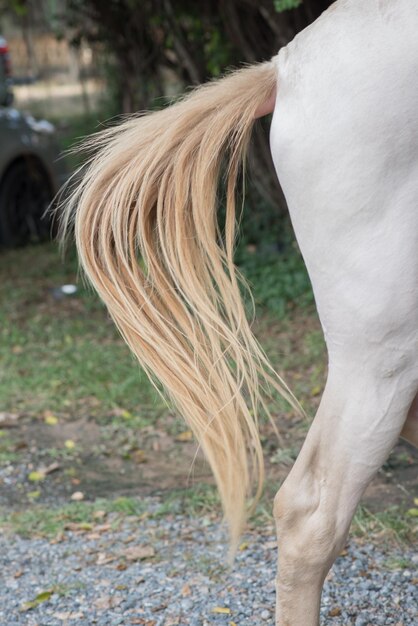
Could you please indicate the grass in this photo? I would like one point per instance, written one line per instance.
(47, 521)
(389, 527)
(392, 524)
(56, 354)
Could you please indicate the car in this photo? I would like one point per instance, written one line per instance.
(6, 95)
(31, 170)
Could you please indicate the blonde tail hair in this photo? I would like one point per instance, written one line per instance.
(145, 219)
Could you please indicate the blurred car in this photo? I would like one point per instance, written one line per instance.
(31, 171)
(6, 95)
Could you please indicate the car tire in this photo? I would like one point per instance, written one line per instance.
(25, 194)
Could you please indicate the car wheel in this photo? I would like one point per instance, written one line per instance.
(25, 194)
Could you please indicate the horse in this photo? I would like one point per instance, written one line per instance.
(344, 142)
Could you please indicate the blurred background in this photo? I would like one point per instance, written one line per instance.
(81, 429)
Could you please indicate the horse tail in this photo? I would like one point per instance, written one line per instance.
(149, 241)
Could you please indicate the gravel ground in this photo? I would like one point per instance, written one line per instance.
(168, 571)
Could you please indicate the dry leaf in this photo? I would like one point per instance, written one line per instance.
(78, 526)
(33, 495)
(139, 553)
(107, 602)
(77, 496)
(50, 419)
(8, 420)
(221, 609)
(36, 476)
(69, 444)
(102, 528)
(139, 456)
(121, 567)
(186, 591)
(187, 435)
(104, 559)
(54, 467)
(335, 612)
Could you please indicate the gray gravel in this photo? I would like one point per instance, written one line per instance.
(110, 577)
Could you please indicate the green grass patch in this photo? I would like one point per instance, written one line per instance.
(43, 521)
(57, 354)
(392, 524)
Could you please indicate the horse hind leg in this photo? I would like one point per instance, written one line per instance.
(410, 428)
(357, 424)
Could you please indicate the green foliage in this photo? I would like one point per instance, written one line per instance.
(278, 280)
(270, 261)
(285, 5)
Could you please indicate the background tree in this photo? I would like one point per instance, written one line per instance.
(148, 40)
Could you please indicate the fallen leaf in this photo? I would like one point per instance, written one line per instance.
(138, 456)
(18, 573)
(33, 495)
(121, 567)
(44, 596)
(107, 602)
(139, 553)
(335, 612)
(54, 467)
(104, 559)
(99, 514)
(186, 591)
(36, 476)
(102, 528)
(221, 609)
(144, 622)
(413, 512)
(51, 420)
(77, 496)
(187, 435)
(93, 536)
(416, 501)
(69, 444)
(8, 420)
(78, 526)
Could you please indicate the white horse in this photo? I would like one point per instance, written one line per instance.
(344, 139)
